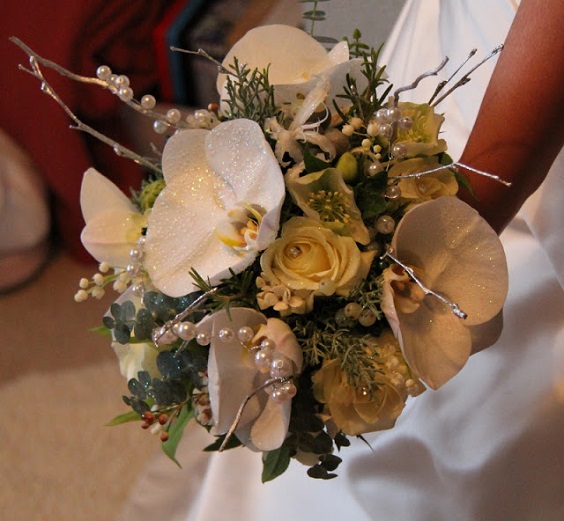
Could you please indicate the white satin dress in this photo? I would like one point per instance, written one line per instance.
(489, 445)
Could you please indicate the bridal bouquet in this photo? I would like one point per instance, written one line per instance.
(297, 264)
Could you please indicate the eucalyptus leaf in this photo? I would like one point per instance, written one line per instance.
(313, 163)
(176, 432)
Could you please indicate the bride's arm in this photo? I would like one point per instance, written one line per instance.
(520, 128)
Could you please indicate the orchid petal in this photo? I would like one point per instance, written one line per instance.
(231, 378)
(436, 344)
(292, 55)
(206, 174)
(271, 427)
(113, 224)
(99, 195)
(463, 259)
(109, 237)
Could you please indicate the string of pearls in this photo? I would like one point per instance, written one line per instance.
(266, 358)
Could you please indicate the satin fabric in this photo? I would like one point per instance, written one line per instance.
(486, 446)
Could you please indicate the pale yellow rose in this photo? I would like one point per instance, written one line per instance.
(311, 259)
(426, 187)
(357, 410)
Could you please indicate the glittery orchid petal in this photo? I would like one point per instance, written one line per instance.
(113, 224)
(455, 253)
(207, 173)
(295, 62)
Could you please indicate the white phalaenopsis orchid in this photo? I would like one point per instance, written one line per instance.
(233, 376)
(215, 181)
(113, 224)
(463, 261)
(295, 62)
(299, 130)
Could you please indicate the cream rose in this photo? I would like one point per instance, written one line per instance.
(309, 258)
(355, 410)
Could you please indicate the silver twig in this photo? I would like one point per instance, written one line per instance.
(466, 78)
(239, 415)
(455, 309)
(413, 85)
(452, 166)
(200, 52)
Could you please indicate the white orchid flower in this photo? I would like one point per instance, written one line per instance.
(300, 130)
(113, 224)
(233, 377)
(295, 62)
(456, 254)
(220, 207)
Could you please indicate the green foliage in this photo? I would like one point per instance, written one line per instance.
(317, 15)
(313, 163)
(126, 417)
(176, 431)
(369, 196)
(216, 445)
(249, 94)
(275, 463)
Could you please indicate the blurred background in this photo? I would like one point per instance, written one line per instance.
(60, 383)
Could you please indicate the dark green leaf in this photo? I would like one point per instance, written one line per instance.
(330, 461)
(326, 39)
(275, 463)
(319, 472)
(176, 432)
(136, 389)
(144, 324)
(313, 163)
(128, 310)
(231, 444)
(122, 333)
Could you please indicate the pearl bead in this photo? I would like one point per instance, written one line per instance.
(148, 102)
(268, 345)
(327, 287)
(373, 168)
(122, 81)
(281, 367)
(135, 254)
(399, 150)
(103, 72)
(405, 123)
(278, 395)
(158, 334)
(160, 127)
(173, 116)
(132, 270)
(125, 94)
(382, 116)
(141, 241)
(394, 114)
(393, 192)
(385, 130)
(185, 330)
(226, 335)
(203, 338)
(263, 361)
(245, 334)
(373, 246)
(138, 289)
(385, 224)
(353, 310)
(366, 318)
(289, 389)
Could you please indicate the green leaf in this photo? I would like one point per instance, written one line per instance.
(231, 444)
(326, 39)
(102, 330)
(176, 432)
(126, 417)
(275, 463)
(314, 164)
